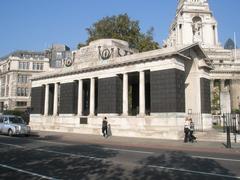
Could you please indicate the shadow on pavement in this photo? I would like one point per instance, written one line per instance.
(180, 160)
(98, 164)
(62, 166)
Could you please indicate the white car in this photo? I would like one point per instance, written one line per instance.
(13, 125)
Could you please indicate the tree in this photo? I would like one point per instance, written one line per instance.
(123, 28)
(229, 44)
(80, 45)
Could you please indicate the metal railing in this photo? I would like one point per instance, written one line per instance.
(198, 121)
(232, 121)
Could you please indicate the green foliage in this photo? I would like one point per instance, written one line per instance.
(216, 99)
(237, 111)
(123, 28)
(80, 45)
(23, 114)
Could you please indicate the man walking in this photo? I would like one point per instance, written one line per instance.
(104, 126)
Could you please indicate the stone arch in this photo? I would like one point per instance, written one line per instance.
(197, 29)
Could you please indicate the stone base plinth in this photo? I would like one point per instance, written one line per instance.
(161, 126)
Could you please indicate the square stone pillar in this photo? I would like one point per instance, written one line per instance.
(141, 93)
(46, 99)
(55, 103)
(92, 97)
(80, 97)
(125, 94)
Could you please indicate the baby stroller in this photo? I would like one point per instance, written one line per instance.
(192, 138)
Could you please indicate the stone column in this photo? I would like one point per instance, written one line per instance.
(46, 100)
(92, 97)
(80, 96)
(222, 84)
(216, 35)
(211, 88)
(211, 84)
(141, 93)
(125, 94)
(55, 100)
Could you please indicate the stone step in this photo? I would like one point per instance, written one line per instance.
(217, 137)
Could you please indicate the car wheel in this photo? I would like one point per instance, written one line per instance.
(10, 132)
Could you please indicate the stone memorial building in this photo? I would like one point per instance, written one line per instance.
(142, 94)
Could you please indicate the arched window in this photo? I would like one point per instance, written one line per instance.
(197, 29)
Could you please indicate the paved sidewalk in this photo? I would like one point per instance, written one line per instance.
(129, 142)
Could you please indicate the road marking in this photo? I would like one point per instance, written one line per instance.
(51, 142)
(127, 150)
(213, 158)
(114, 149)
(11, 145)
(102, 159)
(194, 172)
(27, 172)
(70, 154)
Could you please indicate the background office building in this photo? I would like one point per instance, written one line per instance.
(16, 70)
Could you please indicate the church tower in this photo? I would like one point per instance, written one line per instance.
(194, 23)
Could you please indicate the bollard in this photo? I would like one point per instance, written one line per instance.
(228, 137)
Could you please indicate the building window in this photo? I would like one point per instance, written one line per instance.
(59, 55)
(7, 91)
(23, 65)
(3, 82)
(37, 66)
(22, 91)
(23, 79)
(21, 103)
(4, 68)
(2, 91)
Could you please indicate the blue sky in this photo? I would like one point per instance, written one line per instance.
(36, 24)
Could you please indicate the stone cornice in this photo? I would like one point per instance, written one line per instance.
(103, 67)
(154, 55)
(20, 71)
(225, 71)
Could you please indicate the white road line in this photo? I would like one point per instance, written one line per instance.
(132, 151)
(51, 142)
(102, 159)
(26, 172)
(12, 145)
(194, 172)
(213, 158)
(70, 154)
(127, 150)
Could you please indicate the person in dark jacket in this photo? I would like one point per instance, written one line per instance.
(104, 127)
(186, 130)
(192, 138)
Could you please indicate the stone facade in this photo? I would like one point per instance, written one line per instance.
(16, 71)
(142, 94)
(195, 23)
